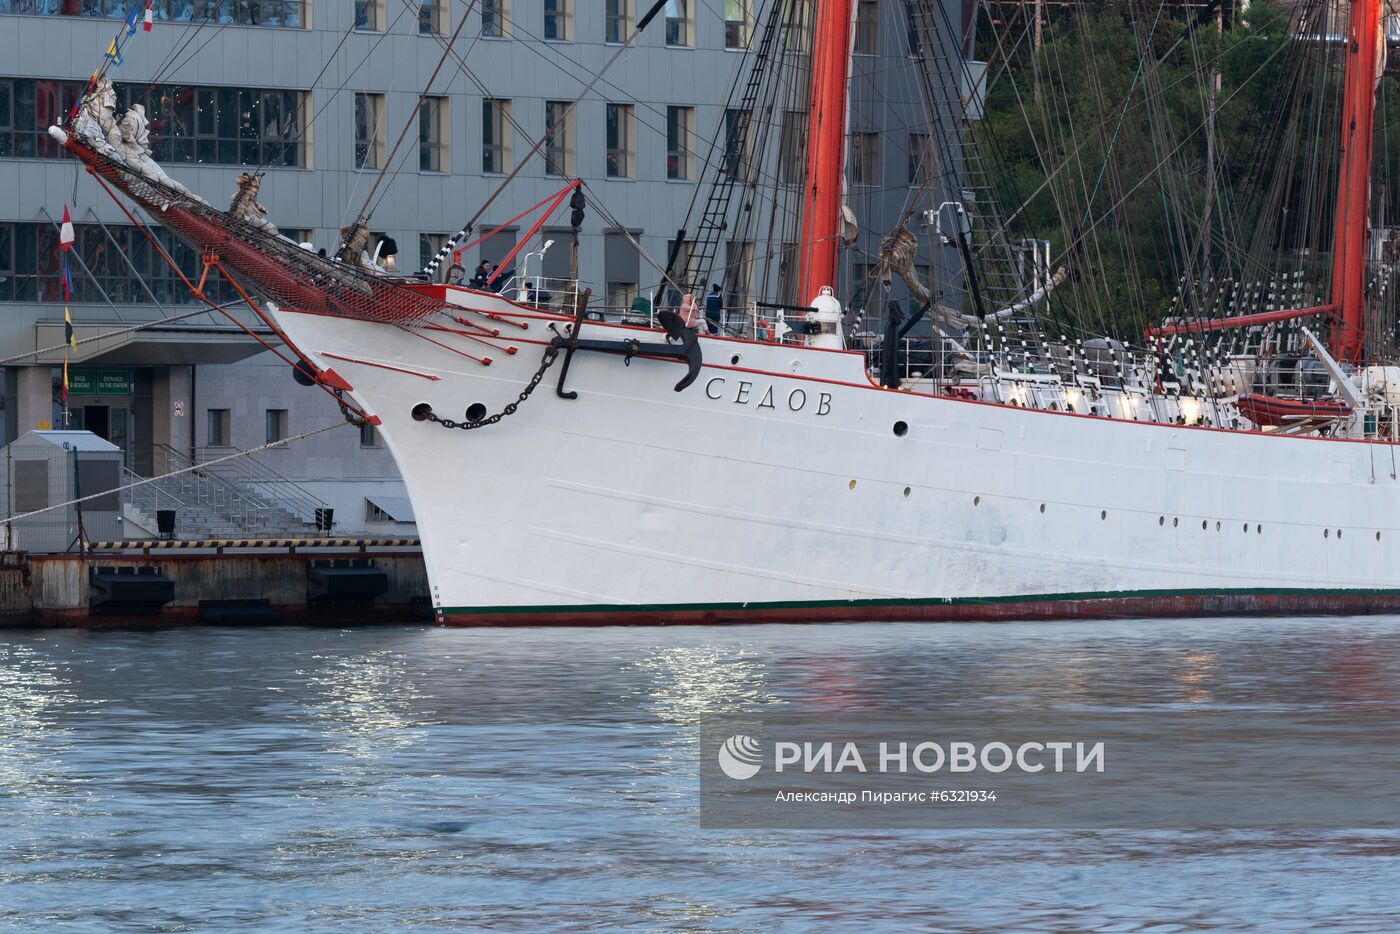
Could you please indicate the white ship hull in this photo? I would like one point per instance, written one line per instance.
(776, 488)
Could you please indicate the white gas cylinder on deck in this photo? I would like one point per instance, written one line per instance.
(826, 315)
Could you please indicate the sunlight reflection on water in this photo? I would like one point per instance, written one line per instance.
(386, 779)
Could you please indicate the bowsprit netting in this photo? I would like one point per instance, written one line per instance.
(279, 270)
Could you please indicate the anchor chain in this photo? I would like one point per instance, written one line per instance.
(357, 420)
(551, 353)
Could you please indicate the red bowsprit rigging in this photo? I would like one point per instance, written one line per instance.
(284, 272)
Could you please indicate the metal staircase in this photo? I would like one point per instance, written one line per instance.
(241, 498)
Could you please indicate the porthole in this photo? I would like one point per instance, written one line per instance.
(1378, 536)
(901, 429)
(1217, 525)
(1175, 522)
(1203, 525)
(1326, 533)
(734, 360)
(1339, 533)
(1161, 520)
(1258, 530)
(1103, 514)
(907, 491)
(476, 412)
(1246, 527)
(976, 500)
(1042, 507)
(851, 485)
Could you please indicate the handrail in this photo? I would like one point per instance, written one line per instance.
(177, 460)
(268, 483)
(148, 491)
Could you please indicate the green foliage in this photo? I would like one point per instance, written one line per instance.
(1102, 141)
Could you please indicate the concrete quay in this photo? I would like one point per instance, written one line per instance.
(148, 583)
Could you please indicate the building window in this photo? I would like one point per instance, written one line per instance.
(225, 12)
(738, 273)
(117, 264)
(736, 144)
(913, 30)
(558, 20)
(369, 437)
(867, 39)
(369, 130)
(432, 135)
(558, 139)
(617, 20)
(432, 17)
(621, 294)
(230, 126)
(680, 125)
(495, 19)
(276, 420)
(795, 32)
(680, 250)
(428, 246)
(218, 431)
(619, 132)
(495, 136)
(788, 262)
(865, 158)
(369, 16)
(920, 158)
(678, 23)
(792, 148)
(737, 15)
(372, 512)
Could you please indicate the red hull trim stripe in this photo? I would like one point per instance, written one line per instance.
(1101, 605)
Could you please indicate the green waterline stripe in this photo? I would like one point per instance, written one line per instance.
(919, 601)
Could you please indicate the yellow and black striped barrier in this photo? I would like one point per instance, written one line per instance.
(148, 544)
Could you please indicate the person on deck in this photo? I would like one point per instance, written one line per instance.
(456, 273)
(714, 310)
(483, 272)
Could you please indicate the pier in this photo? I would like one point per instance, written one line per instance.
(156, 583)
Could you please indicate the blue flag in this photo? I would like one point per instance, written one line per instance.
(133, 19)
(114, 54)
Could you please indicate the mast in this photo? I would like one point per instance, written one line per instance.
(1365, 58)
(826, 146)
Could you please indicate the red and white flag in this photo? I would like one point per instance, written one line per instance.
(65, 233)
(146, 26)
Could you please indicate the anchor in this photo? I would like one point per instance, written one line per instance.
(682, 344)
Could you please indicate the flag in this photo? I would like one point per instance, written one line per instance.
(67, 282)
(65, 233)
(147, 26)
(68, 329)
(64, 394)
(114, 54)
(132, 19)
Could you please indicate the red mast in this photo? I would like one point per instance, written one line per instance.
(1364, 57)
(826, 147)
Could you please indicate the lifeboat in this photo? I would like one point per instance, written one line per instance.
(1274, 411)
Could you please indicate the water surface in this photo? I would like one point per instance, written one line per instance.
(418, 778)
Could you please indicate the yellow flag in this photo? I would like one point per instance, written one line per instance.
(68, 328)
